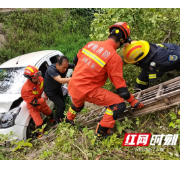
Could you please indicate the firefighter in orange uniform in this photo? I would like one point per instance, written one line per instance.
(31, 93)
(95, 62)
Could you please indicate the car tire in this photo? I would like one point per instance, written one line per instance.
(30, 128)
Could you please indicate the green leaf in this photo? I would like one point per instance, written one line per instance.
(46, 133)
(173, 115)
(137, 123)
(93, 141)
(126, 119)
(40, 130)
(43, 126)
(28, 144)
(172, 124)
(84, 129)
(178, 121)
(124, 19)
(178, 126)
(89, 154)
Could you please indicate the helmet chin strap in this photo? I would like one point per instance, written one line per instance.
(121, 43)
(128, 40)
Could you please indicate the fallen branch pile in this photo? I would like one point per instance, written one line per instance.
(156, 98)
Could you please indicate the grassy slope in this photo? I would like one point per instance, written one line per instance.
(47, 29)
(70, 143)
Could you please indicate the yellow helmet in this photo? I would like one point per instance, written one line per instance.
(135, 51)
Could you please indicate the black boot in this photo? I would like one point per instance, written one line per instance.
(52, 115)
(62, 118)
(51, 118)
(69, 121)
(40, 132)
(57, 119)
(102, 132)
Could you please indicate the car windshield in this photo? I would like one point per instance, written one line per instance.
(11, 80)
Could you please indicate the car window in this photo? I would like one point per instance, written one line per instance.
(11, 80)
(53, 59)
(43, 68)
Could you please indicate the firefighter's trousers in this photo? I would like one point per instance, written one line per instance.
(101, 97)
(35, 113)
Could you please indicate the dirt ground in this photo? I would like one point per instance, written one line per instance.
(90, 106)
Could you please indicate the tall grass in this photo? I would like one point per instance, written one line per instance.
(60, 29)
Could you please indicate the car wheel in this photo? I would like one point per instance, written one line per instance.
(30, 128)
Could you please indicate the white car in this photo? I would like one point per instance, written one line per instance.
(14, 114)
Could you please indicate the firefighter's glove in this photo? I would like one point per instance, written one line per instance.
(34, 102)
(136, 104)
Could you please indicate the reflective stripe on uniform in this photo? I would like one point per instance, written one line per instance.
(30, 69)
(94, 57)
(35, 92)
(72, 111)
(152, 76)
(161, 45)
(41, 85)
(109, 112)
(141, 82)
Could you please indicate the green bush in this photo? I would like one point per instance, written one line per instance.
(154, 25)
(86, 12)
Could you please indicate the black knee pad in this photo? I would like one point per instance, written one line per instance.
(118, 109)
(77, 109)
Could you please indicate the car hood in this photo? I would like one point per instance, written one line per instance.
(6, 101)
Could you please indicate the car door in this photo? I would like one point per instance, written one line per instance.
(43, 67)
(53, 59)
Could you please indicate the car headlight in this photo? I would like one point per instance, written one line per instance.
(7, 120)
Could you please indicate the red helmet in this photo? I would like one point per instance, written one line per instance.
(31, 72)
(123, 26)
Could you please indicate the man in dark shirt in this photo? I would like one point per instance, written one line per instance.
(54, 78)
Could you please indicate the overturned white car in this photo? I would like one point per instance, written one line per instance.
(14, 114)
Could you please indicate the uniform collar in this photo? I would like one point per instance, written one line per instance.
(33, 84)
(110, 41)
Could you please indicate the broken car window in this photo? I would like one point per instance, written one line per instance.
(11, 80)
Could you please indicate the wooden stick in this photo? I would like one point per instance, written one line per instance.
(159, 90)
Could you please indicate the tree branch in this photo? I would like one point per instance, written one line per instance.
(81, 151)
(167, 37)
(162, 28)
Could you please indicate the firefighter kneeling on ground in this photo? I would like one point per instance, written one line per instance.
(31, 93)
(95, 62)
(154, 59)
